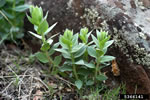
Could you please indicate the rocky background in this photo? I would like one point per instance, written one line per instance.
(128, 23)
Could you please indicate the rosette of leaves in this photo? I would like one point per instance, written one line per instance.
(12, 13)
(73, 52)
(98, 51)
(42, 28)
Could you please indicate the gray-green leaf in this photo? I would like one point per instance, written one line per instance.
(101, 77)
(108, 43)
(50, 28)
(78, 84)
(21, 8)
(65, 68)
(42, 27)
(90, 82)
(107, 59)
(57, 60)
(41, 57)
(91, 51)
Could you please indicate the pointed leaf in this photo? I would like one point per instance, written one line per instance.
(50, 28)
(80, 62)
(89, 65)
(101, 77)
(2, 3)
(80, 52)
(95, 41)
(90, 82)
(50, 41)
(45, 47)
(57, 60)
(76, 48)
(65, 68)
(21, 8)
(42, 27)
(52, 49)
(92, 52)
(75, 39)
(64, 53)
(46, 15)
(41, 57)
(107, 59)
(108, 43)
(89, 34)
(36, 35)
(78, 84)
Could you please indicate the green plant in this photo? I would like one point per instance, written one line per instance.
(113, 94)
(98, 51)
(94, 94)
(82, 71)
(85, 72)
(12, 13)
(42, 28)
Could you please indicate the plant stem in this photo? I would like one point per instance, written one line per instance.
(96, 69)
(86, 56)
(74, 67)
(49, 59)
(6, 18)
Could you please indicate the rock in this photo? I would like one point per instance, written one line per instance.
(125, 22)
(136, 79)
(146, 3)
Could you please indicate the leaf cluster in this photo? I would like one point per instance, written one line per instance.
(42, 28)
(85, 72)
(12, 13)
(82, 71)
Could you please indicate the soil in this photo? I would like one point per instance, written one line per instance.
(23, 79)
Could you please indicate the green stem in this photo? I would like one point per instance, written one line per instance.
(86, 56)
(74, 69)
(74, 66)
(6, 18)
(13, 12)
(96, 69)
(49, 59)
